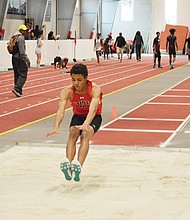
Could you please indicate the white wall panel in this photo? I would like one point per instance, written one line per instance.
(50, 49)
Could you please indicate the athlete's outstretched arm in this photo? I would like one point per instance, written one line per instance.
(64, 95)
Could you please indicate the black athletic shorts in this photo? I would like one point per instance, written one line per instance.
(79, 120)
(172, 51)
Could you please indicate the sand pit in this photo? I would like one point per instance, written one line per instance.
(116, 184)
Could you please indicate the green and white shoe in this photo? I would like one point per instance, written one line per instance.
(66, 169)
(76, 170)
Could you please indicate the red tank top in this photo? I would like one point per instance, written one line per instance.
(81, 103)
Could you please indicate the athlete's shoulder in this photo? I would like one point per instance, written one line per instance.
(66, 91)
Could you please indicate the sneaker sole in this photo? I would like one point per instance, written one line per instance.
(76, 169)
(16, 93)
(65, 169)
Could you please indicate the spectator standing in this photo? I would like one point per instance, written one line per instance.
(171, 47)
(106, 48)
(156, 50)
(188, 49)
(20, 62)
(111, 44)
(37, 31)
(98, 47)
(38, 50)
(120, 43)
(32, 36)
(51, 36)
(138, 42)
(30, 26)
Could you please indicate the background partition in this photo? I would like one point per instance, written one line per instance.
(50, 49)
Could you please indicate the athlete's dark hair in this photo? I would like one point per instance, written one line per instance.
(79, 69)
(172, 30)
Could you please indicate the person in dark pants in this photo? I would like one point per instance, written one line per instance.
(20, 62)
(188, 49)
(119, 44)
(138, 42)
(156, 50)
(171, 47)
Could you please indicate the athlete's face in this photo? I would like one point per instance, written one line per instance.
(79, 82)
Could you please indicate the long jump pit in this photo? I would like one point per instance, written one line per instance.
(117, 183)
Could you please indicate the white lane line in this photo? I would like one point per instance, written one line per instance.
(152, 119)
(180, 128)
(138, 130)
(168, 103)
(25, 108)
(56, 74)
(100, 77)
(146, 102)
(10, 100)
(173, 132)
(176, 96)
(181, 90)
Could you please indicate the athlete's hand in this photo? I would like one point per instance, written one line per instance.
(52, 132)
(82, 127)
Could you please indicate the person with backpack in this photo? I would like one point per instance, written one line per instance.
(171, 47)
(20, 61)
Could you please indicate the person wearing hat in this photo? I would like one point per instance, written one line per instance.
(20, 62)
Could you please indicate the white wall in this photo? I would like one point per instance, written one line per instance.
(51, 26)
(183, 12)
(157, 19)
(141, 21)
(75, 26)
(11, 26)
(50, 49)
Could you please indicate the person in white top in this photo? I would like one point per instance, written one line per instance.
(38, 50)
(98, 47)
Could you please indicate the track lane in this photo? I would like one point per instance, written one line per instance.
(159, 119)
(43, 93)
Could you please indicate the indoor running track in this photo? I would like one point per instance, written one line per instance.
(151, 124)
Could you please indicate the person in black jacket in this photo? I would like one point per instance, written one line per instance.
(138, 42)
(20, 62)
(188, 48)
(120, 43)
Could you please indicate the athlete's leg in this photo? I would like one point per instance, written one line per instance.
(84, 146)
(170, 59)
(71, 143)
(174, 58)
(98, 56)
